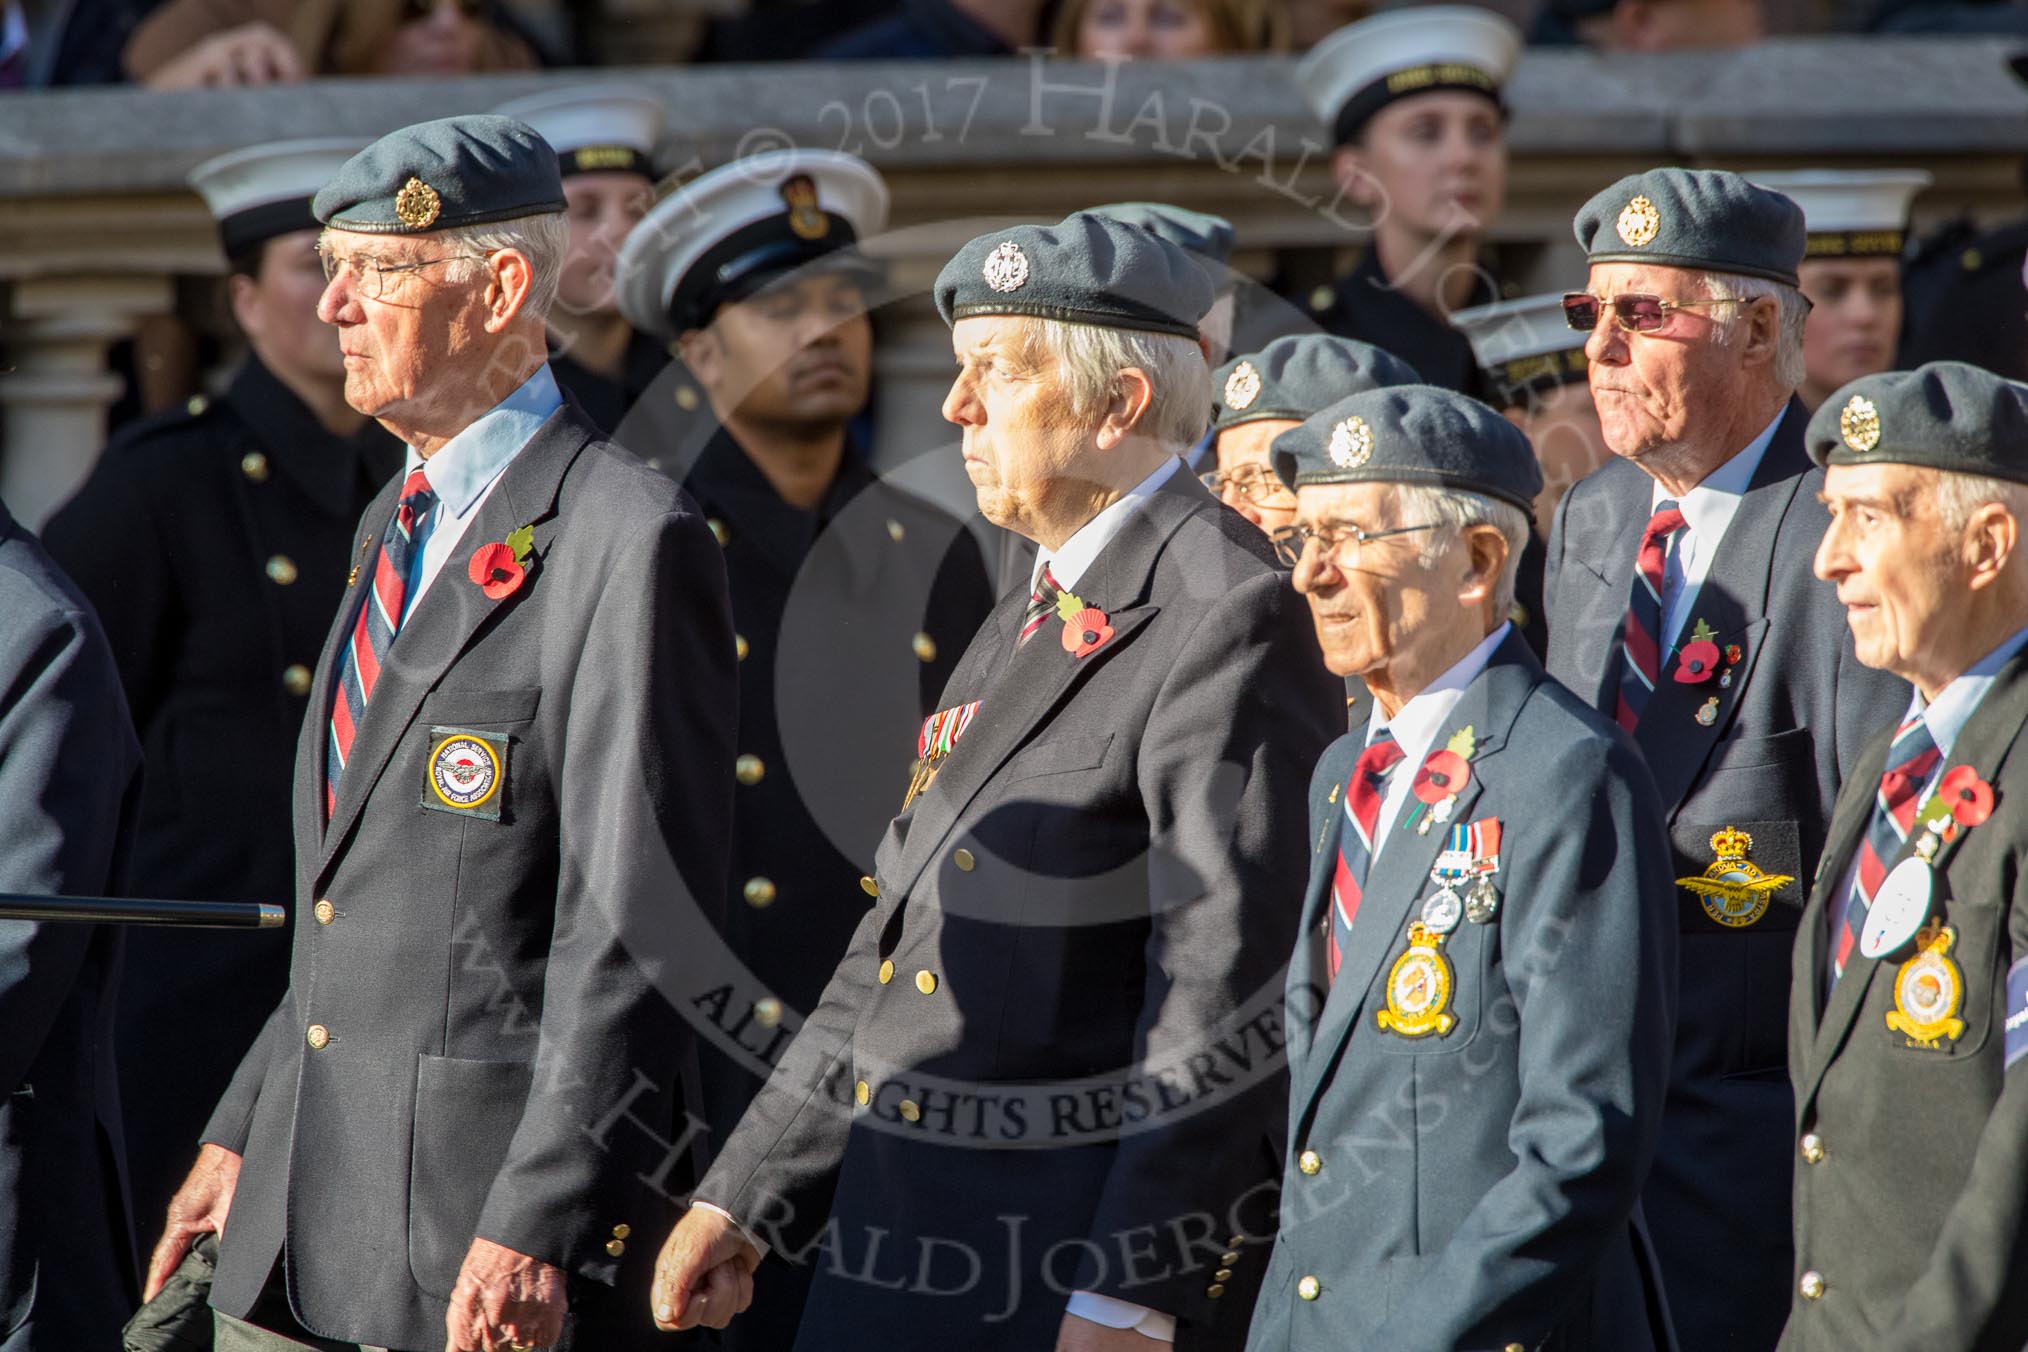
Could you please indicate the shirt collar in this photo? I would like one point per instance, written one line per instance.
(1069, 563)
(1946, 715)
(470, 461)
(1416, 724)
(1707, 508)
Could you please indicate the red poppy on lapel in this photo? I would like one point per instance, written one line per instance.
(1970, 798)
(1086, 631)
(496, 570)
(1443, 775)
(1697, 663)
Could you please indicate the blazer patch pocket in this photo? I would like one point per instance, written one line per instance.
(466, 772)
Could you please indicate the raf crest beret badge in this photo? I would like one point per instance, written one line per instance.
(1351, 443)
(1006, 268)
(1242, 387)
(1859, 424)
(417, 205)
(1638, 222)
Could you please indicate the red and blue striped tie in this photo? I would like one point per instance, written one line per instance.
(1641, 639)
(1910, 759)
(1041, 605)
(1355, 842)
(379, 621)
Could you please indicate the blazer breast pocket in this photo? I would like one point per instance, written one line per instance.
(1057, 756)
(481, 708)
(465, 1116)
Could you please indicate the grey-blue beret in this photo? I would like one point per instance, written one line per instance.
(1706, 219)
(1196, 232)
(440, 175)
(1293, 377)
(1948, 415)
(1085, 269)
(1411, 434)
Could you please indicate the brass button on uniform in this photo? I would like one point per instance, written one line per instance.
(319, 1036)
(1222, 1275)
(296, 679)
(1813, 1148)
(759, 892)
(924, 646)
(1812, 1285)
(1229, 1258)
(616, 1247)
(622, 1231)
(281, 570)
(767, 1011)
(739, 647)
(909, 1112)
(1309, 1161)
(868, 885)
(718, 531)
(1235, 1241)
(197, 404)
(1309, 1288)
(686, 398)
(1321, 298)
(962, 857)
(1516, 1347)
(255, 466)
(1214, 1291)
(926, 982)
(325, 912)
(886, 970)
(749, 770)
(894, 530)
(863, 1092)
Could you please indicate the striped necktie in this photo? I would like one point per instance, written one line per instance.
(1355, 842)
(1041, 605)
(1910, 760)
(379, 621)
(1641, 636)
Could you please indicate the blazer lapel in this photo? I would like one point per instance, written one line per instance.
(1399, 880)
(1599, 615)
(1306, 962)
(440, 625)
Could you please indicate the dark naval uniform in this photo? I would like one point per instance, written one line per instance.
(606, 400)
(214, 543)
(1366, 306)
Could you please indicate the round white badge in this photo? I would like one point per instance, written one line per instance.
(1441, 912)
(1898, 910)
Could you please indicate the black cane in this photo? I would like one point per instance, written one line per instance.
(121, 911)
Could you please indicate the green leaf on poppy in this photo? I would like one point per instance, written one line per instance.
(1068, 605)
(522, 542)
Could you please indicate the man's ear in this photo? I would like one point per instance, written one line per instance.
(511, 282)
(1990, 541)
(1356, 182)
(1485, 561)
(1763, 319)
(1126, 405)
(703, 354)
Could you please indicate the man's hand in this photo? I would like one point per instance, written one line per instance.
(704, 1274)
(254, 53)
(504, 1300)
(199, 1205)
(1081, 1335)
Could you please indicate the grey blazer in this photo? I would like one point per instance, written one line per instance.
(70, 776)
(1477, 1189)
(1054, 1042)
(1767, 758)
(472, 1042)
(1911, 1197)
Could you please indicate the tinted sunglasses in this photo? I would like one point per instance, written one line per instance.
(1634, 313)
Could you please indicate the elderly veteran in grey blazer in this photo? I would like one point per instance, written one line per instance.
(1909, 1009)
(1483, 990)
(1681, 604)
(515, 771)
(1037, 1101)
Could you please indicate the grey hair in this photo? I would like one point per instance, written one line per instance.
(1957, 496)
(1792, 317)
(1090, 359)
(1454, 509)
(543, 240)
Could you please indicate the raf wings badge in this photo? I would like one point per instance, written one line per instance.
(1733, 889)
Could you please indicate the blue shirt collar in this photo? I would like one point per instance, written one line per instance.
(1946, 715)
(474, 458)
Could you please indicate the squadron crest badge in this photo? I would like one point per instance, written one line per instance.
(1419, 988)
(1929, 990)
(1734, 890)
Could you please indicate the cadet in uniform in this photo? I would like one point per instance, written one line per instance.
(1096, 867)
(512, 792)
(604, 137)
(848, 593)
(213, 543)
(1680, 603)
(1412, 100)
(1858, 229)
(1483, 985)
(1910, 1004)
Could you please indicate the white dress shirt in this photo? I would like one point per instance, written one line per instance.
(1415, 726)
(1707, 510)
(463, 473)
